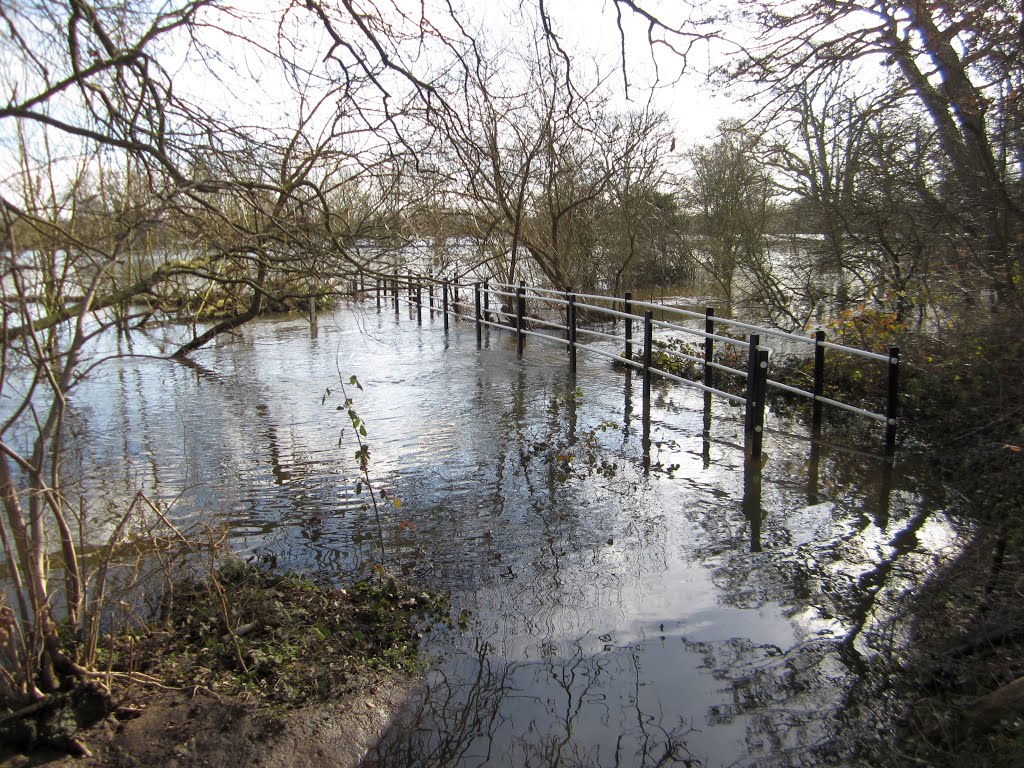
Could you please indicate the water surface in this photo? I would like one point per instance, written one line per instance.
(623, 606)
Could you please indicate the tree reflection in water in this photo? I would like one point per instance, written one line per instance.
(482, 711)
(820, 579)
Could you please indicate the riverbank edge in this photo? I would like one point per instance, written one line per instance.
(307, 676)
(202, 728)
(962, 412)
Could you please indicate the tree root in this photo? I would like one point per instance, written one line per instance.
(985, 713)
(36, 706)
(57, 721)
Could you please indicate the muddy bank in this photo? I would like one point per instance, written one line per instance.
(246, 667)
(200, 728)
(954, 695)
(958, 685)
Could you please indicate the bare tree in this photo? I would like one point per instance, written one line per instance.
(961, 65)
(729, 198)
(867, 174)
(639, 226)
(532, 153)
(124, 196)
(91, 115)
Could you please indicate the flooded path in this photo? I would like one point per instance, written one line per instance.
(680, 610)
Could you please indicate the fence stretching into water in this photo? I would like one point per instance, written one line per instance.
(509, 312)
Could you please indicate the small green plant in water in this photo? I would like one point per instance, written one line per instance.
(362, 455)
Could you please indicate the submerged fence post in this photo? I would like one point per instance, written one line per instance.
(648, 345)
(570, 329)
(430, 297)
(419, 304)
(760, 395)
(750, 394)
(819, 380)
(752, 502)
(706, 433)
(444, 303)
(520, 313)
(476, 303)
(394, 292)
(627, 307)
(892, 401)
(376, 282)
(487, 300)
(646, 415)
(709, 346)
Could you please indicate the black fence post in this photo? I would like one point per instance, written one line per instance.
(819, 380)
(752, 502)
(430, 297)
(751, 392)
(709, 346)
(487, 300)
(476, 303)
(444, 303)
(419, 304)
(892, 401)
(760, 395)
(394, 292)
(570, 329)
(455, 298)
(648, 347)
(627, 308)
(520, 315)
(377, 284)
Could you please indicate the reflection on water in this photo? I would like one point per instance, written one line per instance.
(637, 596)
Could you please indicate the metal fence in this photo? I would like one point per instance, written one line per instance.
(531, 311)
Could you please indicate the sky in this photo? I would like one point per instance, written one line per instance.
(590, 28)
(678, 86)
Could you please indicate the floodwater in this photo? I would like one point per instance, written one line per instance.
(621, 606)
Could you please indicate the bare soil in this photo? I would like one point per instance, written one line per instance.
(175, 729)
(246, 669)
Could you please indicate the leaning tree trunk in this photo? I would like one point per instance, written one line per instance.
(224, 326)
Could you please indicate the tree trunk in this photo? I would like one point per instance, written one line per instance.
(255, 308)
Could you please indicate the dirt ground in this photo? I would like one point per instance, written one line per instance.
(249, 668)
(182, 729)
